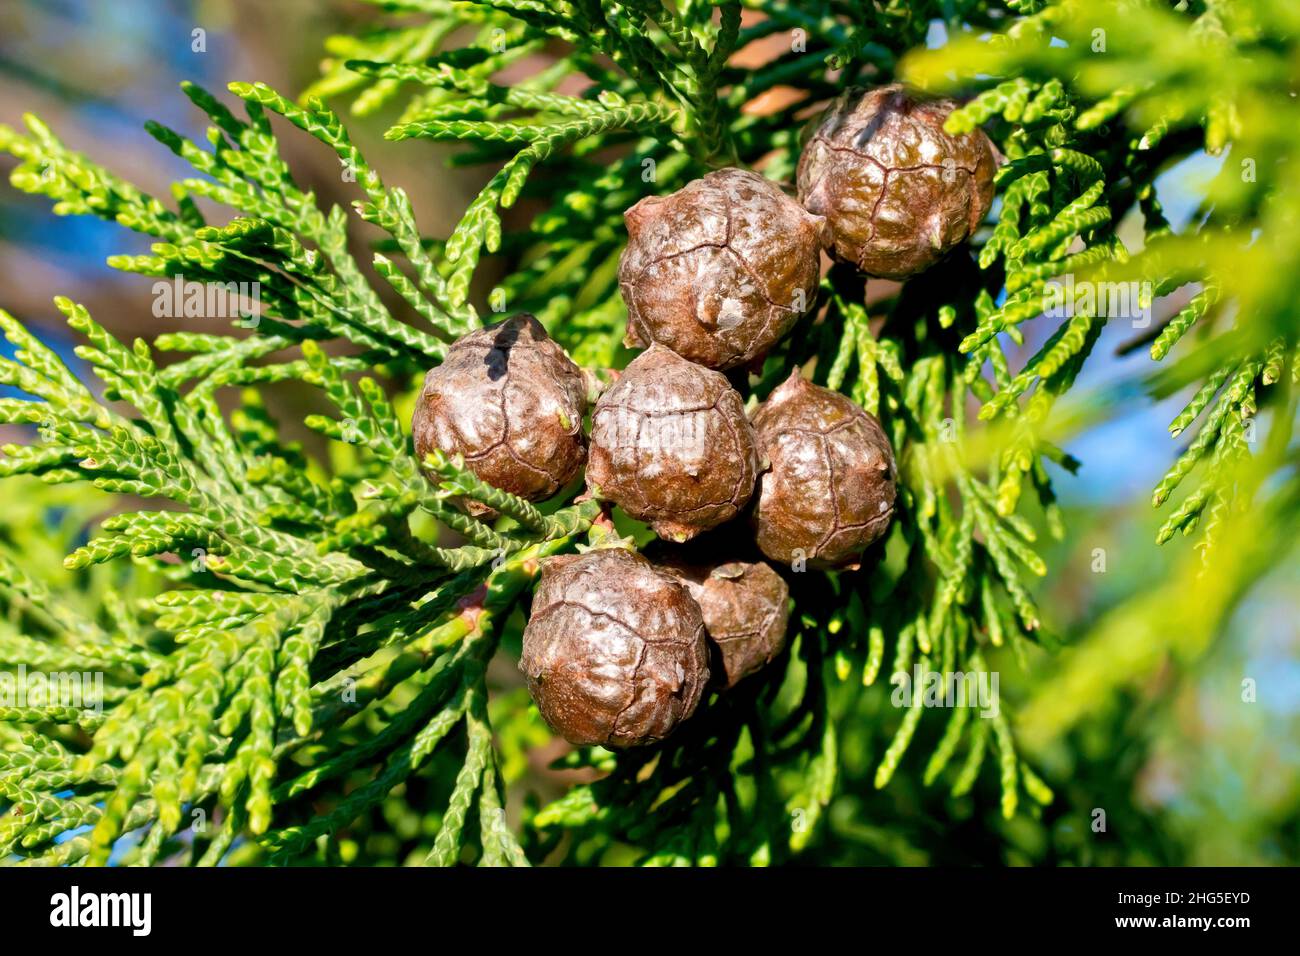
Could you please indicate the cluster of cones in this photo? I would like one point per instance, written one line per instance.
(619, 649)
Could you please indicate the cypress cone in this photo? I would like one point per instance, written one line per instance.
(897, 190)
(671, 445)
(720, 270)
(614, 649)
(509, 401)
(746, 609)
(830, 489)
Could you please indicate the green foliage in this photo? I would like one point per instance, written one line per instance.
(1102, 97)
(1098, 98)
(295, 585)
(299, 668)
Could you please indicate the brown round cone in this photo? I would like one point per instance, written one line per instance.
(509, 401)
(671, 445)
(898, 192)
(829, 492)
(614, 651)
(720, 270)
